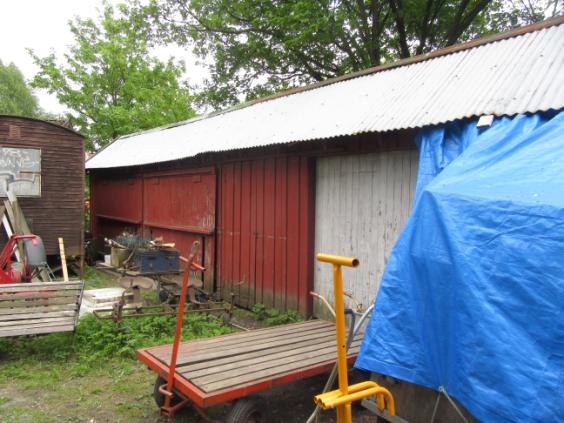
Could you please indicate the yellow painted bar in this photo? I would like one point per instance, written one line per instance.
(338, 260)
(342, 398)
(356, 392)
(344, 413)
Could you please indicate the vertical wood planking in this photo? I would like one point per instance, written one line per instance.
(269, 232)
(259, 252)
(59, 212)
(362, 204)
(245, 240)
(236, 228)
(282, 205)
(271, 217)
(292, 245)
(226, 230)
(306, 234)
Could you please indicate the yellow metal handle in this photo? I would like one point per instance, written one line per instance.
(338, 260)
(342, 398)
(333, 399)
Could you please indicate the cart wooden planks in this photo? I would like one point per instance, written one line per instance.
(223, 368)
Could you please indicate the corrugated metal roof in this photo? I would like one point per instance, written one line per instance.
(519, 74)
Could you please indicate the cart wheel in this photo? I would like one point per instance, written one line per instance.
(158, 396)
(250, 409)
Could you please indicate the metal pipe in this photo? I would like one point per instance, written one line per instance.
(338, 260)
(178, 332)
(324, 300)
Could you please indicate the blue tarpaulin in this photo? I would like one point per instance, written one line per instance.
(472, 298)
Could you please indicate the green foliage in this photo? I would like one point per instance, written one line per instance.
(109, 80)
(96, 340)
(94, 279)
(260, 312)
(255, 47)
(273, 317)
(16, 97)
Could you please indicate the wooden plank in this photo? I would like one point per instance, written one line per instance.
(63, 260)
(27, 315)
(273, 362)
(40, 286)
(238, 378)
(32, 325)
(36, 321)
(220, 351)
(37, 330)
(35, 302)
(247, 355)
(14, 296)
(246, 337)
(41, 309)
(255, 360)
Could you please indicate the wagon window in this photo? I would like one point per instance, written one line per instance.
(20, 171)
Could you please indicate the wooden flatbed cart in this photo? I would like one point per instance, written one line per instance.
(211, 371)
(231, 367)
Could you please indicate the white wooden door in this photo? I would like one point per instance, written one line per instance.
(362, 204)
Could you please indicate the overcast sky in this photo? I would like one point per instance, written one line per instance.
(42, 26)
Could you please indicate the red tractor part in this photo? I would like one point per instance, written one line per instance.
(7, 273)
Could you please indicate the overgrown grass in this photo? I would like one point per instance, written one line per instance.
(93, 373)
(273, 317)
(94, 279)
(99, 339)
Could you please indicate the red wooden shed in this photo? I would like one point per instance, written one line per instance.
(43, 164)
(329, 167)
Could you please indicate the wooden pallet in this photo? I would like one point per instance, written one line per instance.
(39, 308)
(214, 370)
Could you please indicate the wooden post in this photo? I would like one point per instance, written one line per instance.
(63, 260)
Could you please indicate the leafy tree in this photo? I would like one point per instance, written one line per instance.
(110, 82)
(16, 97)
(259, 46)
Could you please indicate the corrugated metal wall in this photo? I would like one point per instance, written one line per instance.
(265, 232)
(362, 203)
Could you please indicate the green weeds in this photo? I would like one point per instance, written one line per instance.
(273, 317)
(94, 279)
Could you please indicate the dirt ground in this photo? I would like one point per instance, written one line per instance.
(121, 390)
(126, 396)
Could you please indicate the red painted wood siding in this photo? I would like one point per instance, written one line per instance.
(180, 207)
(118, 199)
(265, 232)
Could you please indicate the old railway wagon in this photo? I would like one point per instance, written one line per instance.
(43, 164)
